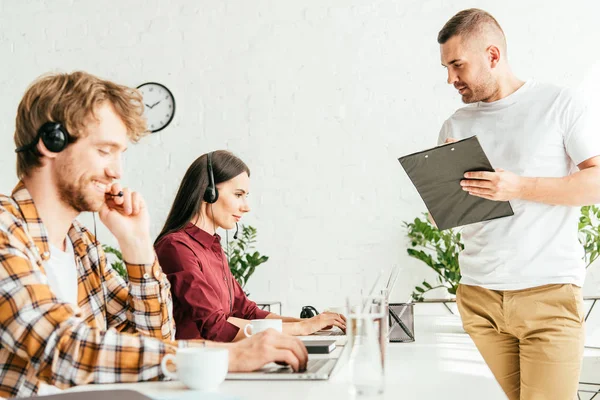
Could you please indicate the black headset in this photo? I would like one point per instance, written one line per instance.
(54, 136)
(308, 312)
(211, 194)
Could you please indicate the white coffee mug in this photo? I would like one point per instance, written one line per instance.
(259, 325)
(198, 368)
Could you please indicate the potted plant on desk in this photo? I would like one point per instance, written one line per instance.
(439, 251)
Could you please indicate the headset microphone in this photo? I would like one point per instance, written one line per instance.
(236, 231)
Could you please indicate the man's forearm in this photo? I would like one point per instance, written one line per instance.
(579, 189)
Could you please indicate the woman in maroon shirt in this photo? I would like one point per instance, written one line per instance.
(208, 302)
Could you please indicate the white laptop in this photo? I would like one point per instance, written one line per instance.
(335, 331)
(321, 367)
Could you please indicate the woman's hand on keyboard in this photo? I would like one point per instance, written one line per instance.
(325, 320)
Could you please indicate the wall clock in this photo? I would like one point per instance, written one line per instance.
(159, 105)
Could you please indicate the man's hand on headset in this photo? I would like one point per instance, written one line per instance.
(126, 217)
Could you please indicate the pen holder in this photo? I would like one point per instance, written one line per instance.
(401, 322)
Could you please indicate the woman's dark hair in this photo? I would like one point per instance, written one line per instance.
(190, 195)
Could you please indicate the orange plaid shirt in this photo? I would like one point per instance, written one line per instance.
(118, 332)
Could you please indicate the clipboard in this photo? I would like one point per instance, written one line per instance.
(436, 174)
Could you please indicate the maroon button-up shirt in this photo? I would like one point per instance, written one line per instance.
(201, 286)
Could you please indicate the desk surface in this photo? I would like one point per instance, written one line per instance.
(442, 363)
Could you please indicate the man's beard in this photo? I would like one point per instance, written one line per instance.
(72, 192)
(481, 91)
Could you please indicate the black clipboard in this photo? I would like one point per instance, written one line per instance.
(436, 174)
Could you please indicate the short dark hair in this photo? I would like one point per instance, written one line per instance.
(465, 23)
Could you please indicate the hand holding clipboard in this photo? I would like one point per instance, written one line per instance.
(437, 174)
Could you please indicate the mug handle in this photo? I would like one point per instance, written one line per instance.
(248, 334)
(163, 366)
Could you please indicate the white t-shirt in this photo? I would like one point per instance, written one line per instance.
(538, 131)
(61, 271)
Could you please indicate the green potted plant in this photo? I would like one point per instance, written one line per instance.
(243, 259)
(439, 249)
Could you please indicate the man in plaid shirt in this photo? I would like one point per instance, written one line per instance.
(66, 317)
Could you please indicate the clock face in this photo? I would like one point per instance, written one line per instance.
(159, 105)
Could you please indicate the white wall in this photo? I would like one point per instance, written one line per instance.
(319, 97)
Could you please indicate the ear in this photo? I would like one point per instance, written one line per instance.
(493, 56)
(44, 152)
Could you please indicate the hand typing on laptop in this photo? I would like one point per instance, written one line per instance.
(265, 347)
(325, 320)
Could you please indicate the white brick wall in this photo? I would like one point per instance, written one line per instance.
(319, 97)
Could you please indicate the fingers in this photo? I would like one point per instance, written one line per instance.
(328, 319)
(287, 357)
(342, 316)
(135, 203)
(479, 190)
(130, 203)
(482, 175)
(451, 140)
(127, 207)
(265, 347)
(490, 195)
(336, 320)
(483, 196)
(290, 343)
(340, 323)
(476, 184)
(114, 189)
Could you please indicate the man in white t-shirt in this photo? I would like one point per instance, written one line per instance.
(520, 294)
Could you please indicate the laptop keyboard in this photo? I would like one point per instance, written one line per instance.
(313, 366)
(332, 333)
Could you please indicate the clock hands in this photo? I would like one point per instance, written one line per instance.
(152, 106)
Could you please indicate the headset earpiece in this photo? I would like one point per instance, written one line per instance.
(211, 194)
(54, 136)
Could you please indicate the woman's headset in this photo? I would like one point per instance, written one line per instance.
(308, 312)
(211, 194)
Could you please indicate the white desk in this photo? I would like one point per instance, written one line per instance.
(442, 363)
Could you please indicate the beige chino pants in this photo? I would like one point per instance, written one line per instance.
(531, 339)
